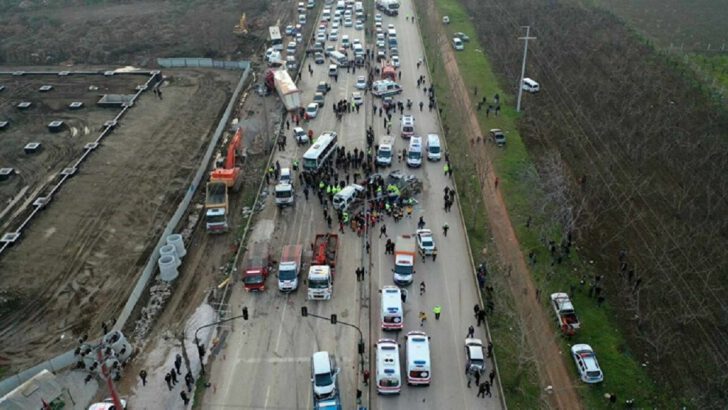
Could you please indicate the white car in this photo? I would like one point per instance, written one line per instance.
(586, 364)
(348, 22)
(302, 19)
(289, 30)
(335, 25)
(107, 404)
(356, 41)
(300, 135)
(357, 98)
(334, 35)
(378, 18)
(395, 61)
(458, 44)
(446, 19)
(359, 26)
(474, 355)
(312, 110)
(390, 26)
(425, 241)
(378, 24)
(361, 82)
(321, 37)
(381, 44)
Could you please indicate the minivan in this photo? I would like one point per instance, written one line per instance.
(344, 198)
(407, 127)
(392, 313)
(434, 152)
(419, 370)
(323, 375)
(333, 70)
(530, 86)
(338, 58)
(414, 153)
(388, 376)
(345, 41)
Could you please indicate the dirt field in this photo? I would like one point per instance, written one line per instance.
(692, 25)
(134, 32)
(58, 149)
(643, 148)
(77, 262)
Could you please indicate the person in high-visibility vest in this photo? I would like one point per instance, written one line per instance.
(446, 168)
(328, 190)
(437, 310)
(345, 217)
(322, 185)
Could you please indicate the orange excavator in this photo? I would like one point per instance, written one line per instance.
(221, 180)
(230, 173)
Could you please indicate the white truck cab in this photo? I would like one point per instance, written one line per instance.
(385, 150)
(414, 153)
(320, 283)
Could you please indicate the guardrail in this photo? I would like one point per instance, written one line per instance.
(196, 62)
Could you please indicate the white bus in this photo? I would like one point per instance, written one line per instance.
(418, 358)
(388, 376)
(322, 148)
(392, 314)
(276, 41)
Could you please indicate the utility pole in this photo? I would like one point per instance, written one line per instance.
(523, 67)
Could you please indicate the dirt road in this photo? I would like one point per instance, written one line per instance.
(551, 363)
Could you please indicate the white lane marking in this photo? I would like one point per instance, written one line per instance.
(276, 360)
(267, 397)
(280, 327)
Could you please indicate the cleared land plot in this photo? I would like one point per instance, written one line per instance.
(58, 149)
(77, 263)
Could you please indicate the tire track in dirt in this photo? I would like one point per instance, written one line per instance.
(542, 338)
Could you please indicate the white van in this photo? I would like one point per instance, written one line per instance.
(407, 127)
(388, 376)
(414, 152)
(323, 375)
(338, 58)
(419, 370)
(530, 86)
(434, 152)
(333, 70)
(392, 34)
(347, 196)
(385, 150)
(392, 313)
(345, 41)
(341, 5)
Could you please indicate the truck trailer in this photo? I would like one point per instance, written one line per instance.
(216, 207)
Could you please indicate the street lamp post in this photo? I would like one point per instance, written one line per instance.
(333, 319)
(200, 348)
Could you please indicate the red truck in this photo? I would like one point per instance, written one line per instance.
(256, 266)
(324, 250)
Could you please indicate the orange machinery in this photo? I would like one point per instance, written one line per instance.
(231, 172)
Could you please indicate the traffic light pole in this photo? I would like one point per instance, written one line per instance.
(201, 349)
(334, 321)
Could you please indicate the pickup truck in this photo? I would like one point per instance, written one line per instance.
(565, 315)
(255, 267)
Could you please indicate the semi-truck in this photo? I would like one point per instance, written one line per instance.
(289, 268)
(216, 207)
(385, 150)
(281, 81)
(404, 259)
(323, 267)
(255, 267)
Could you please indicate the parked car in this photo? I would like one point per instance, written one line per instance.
(323, 87)
(107, 404)
(312, 111)
(458, 44)
(357, 98)
(319, 58)
(425, 242)
(361, 82)
(378, 17)
(395, 61)
(359, 26)
(474, 355)
(497, 136)
(348, 22)
(586, 364)
(462, 36)
(300, 135)
(289, 30)
(319, 99)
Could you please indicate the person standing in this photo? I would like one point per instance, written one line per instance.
(366, 377)
(185, 399)
(143, 376)
(422, 288)
(423, 318)
(168, 379)
(490, 349)
(437, 310)
(383, 231)
(178, 363)
(481, 317)
(491, 376)
(481, 390)
(173, 376)
(476, 373)
(471, 331)
(476, 309)
(445, 228)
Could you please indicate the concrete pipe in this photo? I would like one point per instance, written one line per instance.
(168, 268)
(171, 251)
(179, 244)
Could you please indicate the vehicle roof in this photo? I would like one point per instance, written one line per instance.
(319, 270)
(418, 348)
(475, 346)
(562, 300)
(387, 357)
(577, 348)
(321, 362)
(392, 298)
